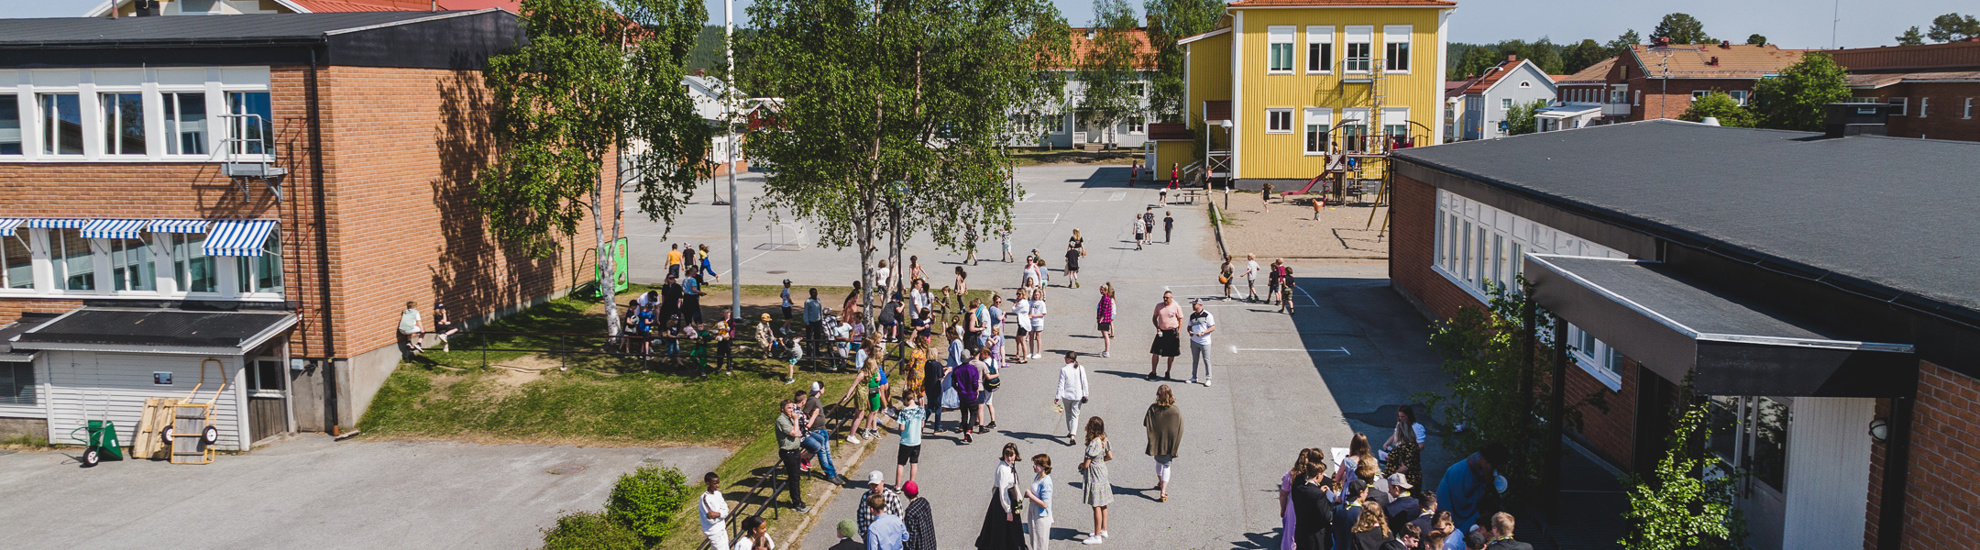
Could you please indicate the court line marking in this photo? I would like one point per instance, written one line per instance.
(1235, 349)
(1117, 196)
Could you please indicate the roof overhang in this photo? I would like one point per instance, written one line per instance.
(1225, 30)
(171, 332)
(103, 9)
(1569, 110)
(1674, 326)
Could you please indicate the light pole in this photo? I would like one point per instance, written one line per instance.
(1228, 153)
(729, 125)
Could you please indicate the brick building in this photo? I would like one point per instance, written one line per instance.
(252, 199)
(1838, 351)
(1933, 87)
(1652, 82)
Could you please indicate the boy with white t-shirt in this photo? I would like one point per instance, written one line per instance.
(714, 512)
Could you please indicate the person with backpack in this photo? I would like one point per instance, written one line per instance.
(968, 379)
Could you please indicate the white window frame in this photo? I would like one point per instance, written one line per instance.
(7, 283)
(84, 117)
(1395, 116)
(1699, 94)
(1397, 35)
(1601, 362)
(1903, 105)
(1363, 36)
(1740, 96)
(1320, 36)
(90, 85)
(103, 125)
(1321, 117)
(1924, 106)
(213, 122)
(1969, 109)
(1058, 124)
(1505, 104)
(21, 123)
(1276, 36)
(1468, 229)
(50, 279)
(1137, 125)
(1275, 115)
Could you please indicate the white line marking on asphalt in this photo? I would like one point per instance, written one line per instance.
(1235, 349)
(1118, 195)
(1026, 197)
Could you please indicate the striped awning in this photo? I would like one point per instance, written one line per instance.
(7, 226)
(178, 226)
(113, 229)
(56, 223)
(238, 237)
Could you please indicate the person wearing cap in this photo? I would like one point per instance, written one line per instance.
(886, 532)
(1468, 483)
(876, 485)
(1403, 507)
(817, 440)
(848, 536)
(1201, 324)
(714, 512)
(785, 296)
(919, 517)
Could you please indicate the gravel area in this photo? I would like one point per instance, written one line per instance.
(1289, 230)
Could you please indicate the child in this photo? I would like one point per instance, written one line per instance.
(911, 418)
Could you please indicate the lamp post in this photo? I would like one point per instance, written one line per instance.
(1228, 153)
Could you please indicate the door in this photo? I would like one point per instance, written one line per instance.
(1750, 434)
(268, 399)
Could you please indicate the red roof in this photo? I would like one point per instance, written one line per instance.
(1145, 52)
(1343, 3)
(329, 6)
(1594, 74)
(1714, 60)
(1491, 76)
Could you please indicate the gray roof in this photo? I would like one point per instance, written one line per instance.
(140, 328)
(231, 29)
(1885, 214)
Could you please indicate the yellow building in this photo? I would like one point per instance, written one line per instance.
(1288, 88)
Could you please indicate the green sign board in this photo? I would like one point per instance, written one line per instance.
(619, 262)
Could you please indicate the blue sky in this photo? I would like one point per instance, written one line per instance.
(1790, 23)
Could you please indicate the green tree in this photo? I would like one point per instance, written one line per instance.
(1911, 37)
(1682, 28)
(1756, 39)
(1475, 61)
(1679, 506)
(1621, 45)
(1721, 106)
(585, 85)
(1545, 55)
(1797, 98)
(1108, 75)
(1521, 120)
(590, 531)
(896, 106)
(1170, 21)
(1953, 27)
(1582, 55)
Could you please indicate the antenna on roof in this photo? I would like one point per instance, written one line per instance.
(1833, 24)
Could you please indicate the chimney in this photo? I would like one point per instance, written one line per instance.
(1856, 119)
(701, 72)
(1725, 44)
(1660, 41)
(1512, 58)
(1714, 62)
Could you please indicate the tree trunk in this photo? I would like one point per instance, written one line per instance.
(606, 265)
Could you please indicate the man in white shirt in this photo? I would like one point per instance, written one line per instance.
(1201, 324)
(1072, 393)
(714, 512)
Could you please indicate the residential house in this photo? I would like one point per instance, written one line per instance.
(1582, 99)
(137, 8)
(707, 91)
(248, 200)
(1932, 87)
(1486, 99)
(1300, 80)
(1062, 126)
(1661, 81)
(1834, 345)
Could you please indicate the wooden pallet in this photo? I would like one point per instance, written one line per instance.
(150, 440)
(189, 421)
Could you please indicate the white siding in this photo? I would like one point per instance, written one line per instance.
(1828, 472)
(88, 385)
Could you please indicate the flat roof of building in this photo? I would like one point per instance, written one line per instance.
(155, 330)
(444, 39)
(1889, 217)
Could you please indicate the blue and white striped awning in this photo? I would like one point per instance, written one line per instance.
(7, 226)
(238, 237)
(56, 223)
(113, 229)
(178, 226)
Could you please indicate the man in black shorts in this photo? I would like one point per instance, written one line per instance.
(1168, 338)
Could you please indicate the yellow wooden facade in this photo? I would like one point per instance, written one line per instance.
(1234, 66)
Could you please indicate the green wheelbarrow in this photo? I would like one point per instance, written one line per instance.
(102, 442)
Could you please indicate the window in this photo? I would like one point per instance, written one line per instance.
(75, 265)
(1137, 89)
(265, 380)
(1057, 122)
(1499, 259)
(262, 274)
(1596, 357)
(1319, 50)
(191, 267)
(61, 124)
(17, 383)
(1318, 122)
(123, 123)
(1699, 94)
(131, 267)
(16, 261)
(1360, 49)
(1354, 129)
(1968, 114)
(1395, 122)
(254, 125)
(1395, 48)
(1924, 104)
(185, 123)
(1619, 95)
(1481, 243)
(1901, 103)
(1639, 98)
(1278, 121)
(10, 125)
(1464, 266)
(1525, 84)
(1740, 96)
(1505, 104)
(1279, 50)
(1136, 125)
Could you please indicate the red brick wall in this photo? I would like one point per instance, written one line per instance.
(1677, 100)
(1413, 212)
(1940, 505)
(1611, 434)
(1944, 119)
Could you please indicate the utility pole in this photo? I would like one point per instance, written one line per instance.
(734, 150)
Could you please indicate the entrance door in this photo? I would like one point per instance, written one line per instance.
(268, 399)
(1750, 434)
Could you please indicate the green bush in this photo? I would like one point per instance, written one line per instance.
(649, 501)
(590, 531)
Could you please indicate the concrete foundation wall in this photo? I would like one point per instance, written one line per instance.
(16, 427)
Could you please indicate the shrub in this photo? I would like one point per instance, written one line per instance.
(649, 501)
(589, 531)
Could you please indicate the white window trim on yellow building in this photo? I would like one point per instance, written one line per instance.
(1363, 35)
(1395, 116)
(1273, 114)
(1397, 35)
(1320, 119)
(1315, 37)
(1275, 37)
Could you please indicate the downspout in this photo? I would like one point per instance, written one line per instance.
(322, 248)
(1897, 463)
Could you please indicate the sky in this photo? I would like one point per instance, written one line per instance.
(1789, 23)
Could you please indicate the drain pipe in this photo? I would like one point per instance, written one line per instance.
(330, 402)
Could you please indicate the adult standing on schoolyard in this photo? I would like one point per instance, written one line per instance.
(919, 517)
(1201, 324)
(1002, 529)
(1168, 322)
(1039, 496)
(1072, 393)
(1105, 315)
(1165, 428)
(789, 438)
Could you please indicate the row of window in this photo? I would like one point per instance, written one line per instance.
(1025, 123)
(1737, 95)
(1358, 51)
(1319, 126)
(64, 262)
(1925, 107)
(111, 123)
(1478, 245)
